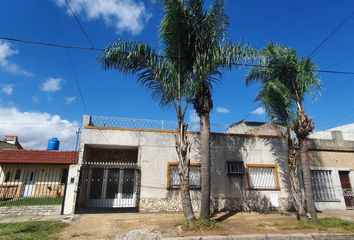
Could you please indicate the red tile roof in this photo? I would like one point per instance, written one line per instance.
(38, 156)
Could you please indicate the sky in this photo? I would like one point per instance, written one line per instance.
(39, 97)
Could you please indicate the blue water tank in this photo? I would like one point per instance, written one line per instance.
(53, 144)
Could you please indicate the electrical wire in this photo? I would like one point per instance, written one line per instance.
(76, 80)
(335, 30)
(78, 23)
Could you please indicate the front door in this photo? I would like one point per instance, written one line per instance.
(30, 183)
(346, 188)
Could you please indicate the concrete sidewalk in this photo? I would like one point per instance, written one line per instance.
(270, 237)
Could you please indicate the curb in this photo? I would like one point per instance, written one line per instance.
(270, 237)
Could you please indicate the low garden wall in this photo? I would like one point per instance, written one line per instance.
(41, 210)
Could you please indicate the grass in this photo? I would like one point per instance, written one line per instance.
(41, 230)
(324, 223)
(199, 224)
(32, 202)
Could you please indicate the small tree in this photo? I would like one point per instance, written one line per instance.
(277, 101)
(286, 79)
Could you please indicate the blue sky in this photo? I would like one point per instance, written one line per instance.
(39, 80)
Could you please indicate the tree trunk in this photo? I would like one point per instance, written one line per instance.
(205, 165)
(294, 176)
(305, 164)
(185, 194)
(183, 152)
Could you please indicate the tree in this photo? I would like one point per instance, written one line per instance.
(167, 77)
(276, 100)
(208, 54)
(290, 79)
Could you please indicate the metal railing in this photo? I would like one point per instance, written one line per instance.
(32, 184)
(137, 123)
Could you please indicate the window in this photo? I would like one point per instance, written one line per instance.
(18, 174)
(7, 176)
(64, 175)
(263, 176)
(235, 168)
(173, 181)
(322, 185)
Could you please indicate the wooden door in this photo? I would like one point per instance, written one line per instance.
(346, 188)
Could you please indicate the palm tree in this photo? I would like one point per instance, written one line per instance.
(207, 55)
(291, 78)
(167, 77)
(276, 99)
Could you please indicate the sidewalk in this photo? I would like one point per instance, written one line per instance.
(270, 237)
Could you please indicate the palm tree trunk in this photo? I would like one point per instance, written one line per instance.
(305, 164)
(205, 165)
(294, 176)
(185, 194)
(183, 146)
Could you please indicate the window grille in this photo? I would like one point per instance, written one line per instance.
(322, 185)
(235, 168)
(263, 178)
(194, 176)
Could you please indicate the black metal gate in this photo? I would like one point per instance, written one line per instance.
(110, 185)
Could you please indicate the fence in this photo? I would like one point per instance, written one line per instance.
(150, 124)
(32, 184)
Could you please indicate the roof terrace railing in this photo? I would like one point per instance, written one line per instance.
(118, 122)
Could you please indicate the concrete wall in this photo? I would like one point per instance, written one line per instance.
(157, 148)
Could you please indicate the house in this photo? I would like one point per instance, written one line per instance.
(33, 173)
(136, 167)
(132, 164)
(10, 142)
(332, 166)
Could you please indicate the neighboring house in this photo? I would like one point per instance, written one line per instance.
(332, 164)
(10, 142)
(34, 173)
(133, 164)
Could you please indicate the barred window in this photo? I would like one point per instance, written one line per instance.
(263, 177)
(173, 176)
(322, 185)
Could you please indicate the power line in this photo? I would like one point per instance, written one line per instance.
(102, 50)
(76, 80)
(51, 44)
(319, 46)
(78, 23)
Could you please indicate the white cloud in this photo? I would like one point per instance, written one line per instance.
(194, 121)
(5, 52)
(124, 15)
(69, 100)
(259, 111)
(38, 128)
(8, 89)
(222, 110)
(51, 85)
